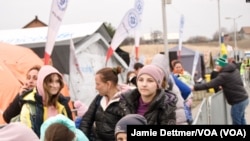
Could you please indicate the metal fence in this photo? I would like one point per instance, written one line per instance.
(213, 110)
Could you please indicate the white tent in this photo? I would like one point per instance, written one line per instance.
(91, 42)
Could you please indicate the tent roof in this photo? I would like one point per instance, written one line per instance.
(184, 51)
(37, 36)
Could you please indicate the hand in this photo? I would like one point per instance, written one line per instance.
(192, 88)
(23, 89)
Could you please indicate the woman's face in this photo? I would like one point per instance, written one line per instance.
(31, 79)
(101, 87)
(54, 84)
(178, 68)
(147, 86)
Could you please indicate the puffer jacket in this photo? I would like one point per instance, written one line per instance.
(230, 81)
(34, 119)
(161, 110)
(102, 118)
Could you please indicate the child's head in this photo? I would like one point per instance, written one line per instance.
(59, 132)
(121, 125)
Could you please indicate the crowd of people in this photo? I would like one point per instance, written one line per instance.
(153, 94)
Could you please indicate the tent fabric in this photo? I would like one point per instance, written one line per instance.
(91, 41)
(15, 61)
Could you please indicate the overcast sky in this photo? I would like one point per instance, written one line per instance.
(201, 16)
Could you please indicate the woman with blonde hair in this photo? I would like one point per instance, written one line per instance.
(15, 106)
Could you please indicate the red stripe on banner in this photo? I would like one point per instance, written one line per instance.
(109, 54)
(137, 53)
(46, 58)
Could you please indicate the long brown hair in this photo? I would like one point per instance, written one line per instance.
(50, 100)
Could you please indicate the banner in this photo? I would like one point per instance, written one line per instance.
(58, 9)
(128, 24)
(195, 62)
(75, 74)
(180, 36)
(139, 5)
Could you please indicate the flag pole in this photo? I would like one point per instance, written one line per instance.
(164, 18)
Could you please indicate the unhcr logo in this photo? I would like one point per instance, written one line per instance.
(62, 4)
(133, 19)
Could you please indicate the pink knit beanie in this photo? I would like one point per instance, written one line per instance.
(153, 71)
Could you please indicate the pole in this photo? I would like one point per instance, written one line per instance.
(235, 44)
(219, 23)
(164, 18)
(235, 37)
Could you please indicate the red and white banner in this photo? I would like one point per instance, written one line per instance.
(75, 73)
(73, 62)
(128, 24)
(58, 9)
(139, 5)
(180, 36)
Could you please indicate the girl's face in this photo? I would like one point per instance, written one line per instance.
(147, 86)
(54, 84)
(31, 79)
(100, 86)
(178, 68)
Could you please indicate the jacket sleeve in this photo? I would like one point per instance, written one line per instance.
(65, 101)
(216, 82)
(13, 109)
(89, 118)
(184, 88)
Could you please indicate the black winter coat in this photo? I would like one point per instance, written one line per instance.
(161, 110)
(101, 121)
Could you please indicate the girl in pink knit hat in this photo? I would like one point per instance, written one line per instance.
(149, 99)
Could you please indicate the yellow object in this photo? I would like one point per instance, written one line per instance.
(208, 78)
(223, 49)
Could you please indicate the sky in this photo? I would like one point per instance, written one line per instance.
(200, 16)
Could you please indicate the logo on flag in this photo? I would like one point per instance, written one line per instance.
(133, 19)
(128, 24)
(139, 6)
(62, 4)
